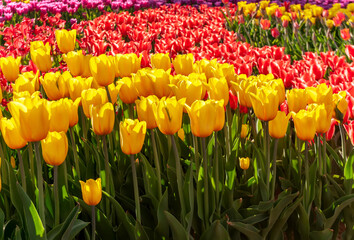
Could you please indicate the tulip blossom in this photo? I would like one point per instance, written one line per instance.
(10, 67)
(132, 135)
(91, 191)
(55, 148)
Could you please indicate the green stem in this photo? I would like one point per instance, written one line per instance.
(217, 173)
(76, 160)
(40, 183)
(56, 197)
(196, 155)
(106, 164)
(157, 163)
(30, 155)
(253, 124)
(342, 136)
(179, 178)
(131, 110)
(300, 159)
(108, 94)
(136, 190)
(206, 188)
(22, 170)
(274, 166)
(320, 173)
(93, 216)
(267, 142)
(307, 178)
(324, 154)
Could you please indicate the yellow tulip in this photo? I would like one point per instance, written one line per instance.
(66, 40)
(180, 134)
(279, 125)
(168, 114)
(243, 90)
(23, 84)
(208, 67)
(113, 92)
(201, 110)
(227, 71)
(278, 85)
(11, 134)
(340, 105)
(143, 82)
(297, 99)
(91, 191)
(244, 163)
(102, 70)
(183, 64)
(58, 115)
(160, 81)
(305, 125)
(86, 71)
(265, 103)
(161, 61)
(144, 107)
(55, 85)
(132, 135)
(220, 115)
(323, 117)
(127, 64)
(218, 89)
(127, 90)
(72, 110)
(189, 90)
(244, 130)
(102, 118)
(10, 67)
(77, 85)
(32, 118)
(55, 148)
(75, 62)
(92, 97)
(320, 94)
(40, 55)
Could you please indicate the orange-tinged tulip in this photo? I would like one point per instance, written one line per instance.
(244, 163)
(66, 40)
(55, 148)
(144, 107)
(265, 103)
(183, 64)
(161, 61)
(58, 115)
(91, 191)
(143, 82)
(201, 110)
(40, 55)
(279, 125)
(11, 134)
(218, 89)
(75, 62)
(102, 70)
(102, 118)
(168, 114)
(127, 90)
(297, 99)
(305, 125)
(180, 134)
(32, 118)
(345, 34)
(77, 85)
(244, 130)
(10, 67)
(13, 162)
(92, 97)
(127, 64)
(132, 135)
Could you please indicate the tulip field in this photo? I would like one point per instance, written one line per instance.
(177, 119)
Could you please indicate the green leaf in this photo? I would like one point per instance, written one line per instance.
(150, 180)
(77, 226)
(215, 231)
(348, 173)
(330, 221)
(178, 232)
(162, 226)
(247, 229)
(2, 219)
(321, 235)
(303, 222)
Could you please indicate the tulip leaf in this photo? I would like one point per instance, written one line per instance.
(247, 229)
(303, 222)
(321, 235)
(215, 231)
(2, 220)
(348, 173)
(349, 199)
(162, 226)
(150, 179)
(178, 232)
(76, 228)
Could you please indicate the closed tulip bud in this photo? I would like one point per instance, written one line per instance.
(275, 32)
(244, 131)
(32, 117)
(102, 118)
(201, 110)
(132, 135)
(40, 55)
(265, 103)
(127, 90)
(189, 90)
(160, 81)
(66, 40)
(13, 162)
(183, 64)
(54, 86)
(11, 134)
(168, 114)
(92, 97)
(180, 134)
(55, 148)
(77, 85)
(340, 105)
(144, 107)
(72, 110)
(91, 191)
(127, 64)
(244, 163)
(305, 125)
(102, 70)
(279, 125)
(161, 61)
(297, 99)
(345, 34)
(75, 62)
(113, 92)
(10, 67)
(265, 24)
(58, 115)
(218, 89)
(143, 82)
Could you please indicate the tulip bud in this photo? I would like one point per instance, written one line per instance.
(127, 90)
(40, 55)
(183, 64)
(72, 110)
(102, 118)
(102, 70)
(132, 135)
(161, 61)
(11, 134)
(244, 131)
(305, 125)
(144, 107)
(55, 84)
(55, 148)
(66, 40)
(10, 67)
(265, 24)
(91, 191)
(345, 34)
(275, 32)
(75, 62)
(244, 163)
(340, 105)
(279, 125)
(265, 103)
